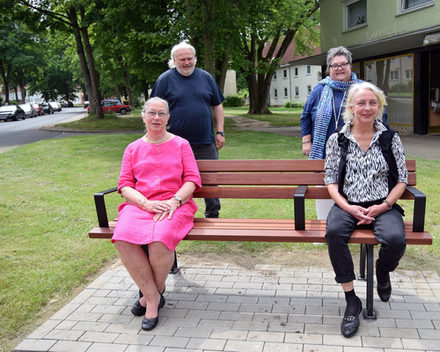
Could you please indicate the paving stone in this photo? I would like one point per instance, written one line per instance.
(70, 346)
(169, 341)
(194, 332)
(39, 345)
(107, 347)
(206, 344)
(282, 347)
(239, 346)
(265, 336)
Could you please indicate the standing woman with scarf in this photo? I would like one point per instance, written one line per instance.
(324, 108)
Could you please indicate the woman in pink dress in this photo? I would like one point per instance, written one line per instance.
(158, 176)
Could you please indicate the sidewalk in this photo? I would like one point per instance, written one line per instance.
(416, 146)
(226, 307)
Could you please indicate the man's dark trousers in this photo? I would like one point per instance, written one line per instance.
(207, 152)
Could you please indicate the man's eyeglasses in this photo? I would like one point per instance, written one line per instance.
(341, 66)
(152, 114)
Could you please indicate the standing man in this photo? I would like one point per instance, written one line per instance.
(193, 95)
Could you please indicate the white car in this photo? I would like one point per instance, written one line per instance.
(55, 106)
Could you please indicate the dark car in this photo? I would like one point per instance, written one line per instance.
(11, 112)
(67, 104)
(47, 108)
(29, 110)
(114, 105)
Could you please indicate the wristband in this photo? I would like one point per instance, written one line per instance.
(388, 203)
(221, 133)
(179, 199)
(306, 142)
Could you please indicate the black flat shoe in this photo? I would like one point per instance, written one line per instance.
(383, 283)
(350, 323)
(137, 309)
(149, 324)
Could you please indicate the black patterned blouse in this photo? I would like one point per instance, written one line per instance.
(366, 176)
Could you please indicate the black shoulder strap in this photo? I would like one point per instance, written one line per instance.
(386, 141)
(343, 147)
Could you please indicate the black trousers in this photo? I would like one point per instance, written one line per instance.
(201, 152)
(388, 229)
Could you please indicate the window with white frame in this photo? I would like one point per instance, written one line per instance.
(309, 69)
(309, 90)
(355, 13)
(275, 75)
(408, 74)
(275, 93)
(407, 5)
(296, 91)
(296, 71)
(284, 73)
(394, 75)
(285, 92)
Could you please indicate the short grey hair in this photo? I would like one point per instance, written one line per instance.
(182, 45)
(156, 100)
(337, 51)
(354, 90)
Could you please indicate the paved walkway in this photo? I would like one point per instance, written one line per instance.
(225, 307)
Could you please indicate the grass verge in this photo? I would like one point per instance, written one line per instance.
(47, 209)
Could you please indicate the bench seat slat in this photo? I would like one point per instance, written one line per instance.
(270, 165)
(271, 230)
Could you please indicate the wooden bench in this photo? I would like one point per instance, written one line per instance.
(279, 179)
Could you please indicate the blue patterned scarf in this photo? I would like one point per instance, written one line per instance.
(324, 113)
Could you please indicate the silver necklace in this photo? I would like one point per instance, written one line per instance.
(156, 142)
(340, 108)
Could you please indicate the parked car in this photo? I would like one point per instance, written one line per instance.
(86, 104)
(114, 105)
(11, 112)
(29, 110)
(47, 108)
(39, 108)
(67, 104)
(55, 106)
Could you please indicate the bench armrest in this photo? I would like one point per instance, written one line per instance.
(101, 210)
(419, 209)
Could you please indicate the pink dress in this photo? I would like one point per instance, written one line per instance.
(158, 172)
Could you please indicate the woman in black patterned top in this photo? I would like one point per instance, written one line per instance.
(365, 174)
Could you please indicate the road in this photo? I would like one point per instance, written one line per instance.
(16, 133)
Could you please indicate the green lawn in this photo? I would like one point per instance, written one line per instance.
(47, 208)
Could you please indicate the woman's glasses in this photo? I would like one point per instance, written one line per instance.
(340, 66)
(152, 114)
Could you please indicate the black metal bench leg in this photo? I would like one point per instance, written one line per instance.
(368, 312)
(362, 260)
(175, 268)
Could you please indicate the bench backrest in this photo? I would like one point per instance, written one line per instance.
(271, 179)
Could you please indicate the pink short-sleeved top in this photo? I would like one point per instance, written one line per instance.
(157, 171)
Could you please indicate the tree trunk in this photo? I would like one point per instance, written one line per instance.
(22, 87)
(93, 73)
(5, 71)
(126, 75)
(82, 58)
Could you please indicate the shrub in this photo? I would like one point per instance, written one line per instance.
(233, 101)
(294, 105)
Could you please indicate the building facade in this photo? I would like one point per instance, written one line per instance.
(293, 83)
(395, 45)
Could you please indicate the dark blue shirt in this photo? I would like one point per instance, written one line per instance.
(308, 116)
(190, 100)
